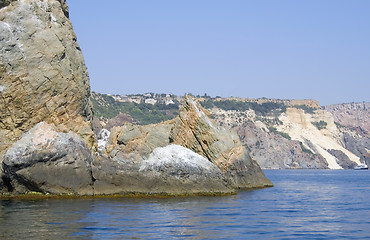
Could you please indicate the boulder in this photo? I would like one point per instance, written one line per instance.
(47, 161)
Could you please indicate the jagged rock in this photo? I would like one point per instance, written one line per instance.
(194, 129)
(135, 143)
(130, 146)
(42, 72)
(168, 170)
(48, 161)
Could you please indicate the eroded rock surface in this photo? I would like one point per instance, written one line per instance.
(47, 161)
(273, 151)
(194, 129)
(47, 142)
(42, 72)
(168, 170)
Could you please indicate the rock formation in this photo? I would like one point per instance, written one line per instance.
(42, 72)
(47, 161)
(48, 145)
(195, 130)
(131, 148)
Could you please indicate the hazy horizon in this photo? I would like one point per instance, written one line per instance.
(250, 49)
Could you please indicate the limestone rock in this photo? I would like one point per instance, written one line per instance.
(168, 170)
(272, 151)
(342, 159)
(195, 130)
(48, 161)
(43, 76)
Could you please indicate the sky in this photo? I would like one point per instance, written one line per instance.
(286, 49)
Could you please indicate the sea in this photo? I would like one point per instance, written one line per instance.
(303, 204)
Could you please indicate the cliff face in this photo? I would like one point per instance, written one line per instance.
(355, 116)
(354, 123)
(42, 72)
(299, 139)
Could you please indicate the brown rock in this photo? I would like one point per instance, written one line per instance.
(194, 129)
(42, 72)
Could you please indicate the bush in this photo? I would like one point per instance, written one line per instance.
(305, 108)
(320, 125)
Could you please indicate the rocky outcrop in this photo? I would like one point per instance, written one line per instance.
(168, 170)
(42, 72)
(194, 129)
(47, 161)
(48, 145)
(189, 154)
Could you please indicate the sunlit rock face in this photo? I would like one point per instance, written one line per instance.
(167, 170)
(130, 146)
(194, 129)
(47, 161)
(43, 76)
(42, 72)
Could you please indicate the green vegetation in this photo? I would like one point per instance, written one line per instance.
(305, 108)
(283, 134)
(320, 125)
(267, 108)
(106, 107)
(306, 150)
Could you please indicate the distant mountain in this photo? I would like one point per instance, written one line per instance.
(280, 134)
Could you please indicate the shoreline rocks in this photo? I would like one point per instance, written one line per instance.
(47, 141)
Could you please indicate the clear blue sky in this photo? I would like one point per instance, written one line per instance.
(299, 49)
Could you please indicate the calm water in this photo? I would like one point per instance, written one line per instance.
(305, 204)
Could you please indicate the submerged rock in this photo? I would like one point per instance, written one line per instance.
(47, 161)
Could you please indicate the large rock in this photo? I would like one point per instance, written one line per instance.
(194, 129)
(142, 159)
(47, 161)
(43, 76)
(168, 170)
(42, 72)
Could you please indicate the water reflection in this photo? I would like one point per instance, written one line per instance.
(303, 204)
(41, 219)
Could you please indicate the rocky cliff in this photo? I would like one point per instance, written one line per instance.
(354, 122)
